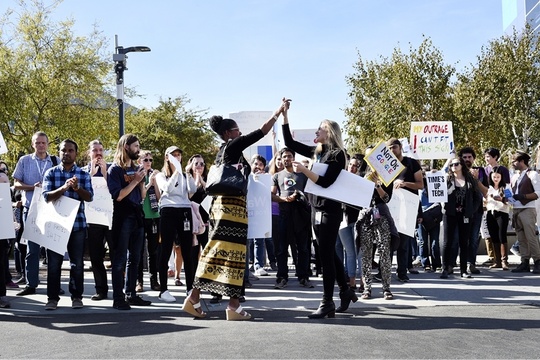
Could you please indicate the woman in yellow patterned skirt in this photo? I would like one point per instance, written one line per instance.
(222, 263)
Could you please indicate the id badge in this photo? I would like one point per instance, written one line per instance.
(318, 217)
(465, 220)
(376, 214)
(187, 226)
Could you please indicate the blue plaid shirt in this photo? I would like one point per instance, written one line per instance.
(56, 177)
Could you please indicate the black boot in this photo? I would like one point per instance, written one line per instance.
(346, 297)
(536, 269)
(327, 308)
(154, 285)
(523, 267)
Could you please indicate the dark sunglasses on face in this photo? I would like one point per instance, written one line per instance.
(148, 160)
(455, 164)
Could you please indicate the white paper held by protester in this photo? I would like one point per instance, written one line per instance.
(348, 187)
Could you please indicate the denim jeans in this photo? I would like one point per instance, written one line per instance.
(128, 233)
(474, 239)
(259, 252)
(269, 246)
(346, 250)
(31, 260)
(75, 249)
(425, 237)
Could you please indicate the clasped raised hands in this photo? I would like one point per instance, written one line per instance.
(285, 104)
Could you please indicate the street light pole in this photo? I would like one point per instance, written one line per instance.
(120, 66)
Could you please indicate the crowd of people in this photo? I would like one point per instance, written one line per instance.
(158, 219)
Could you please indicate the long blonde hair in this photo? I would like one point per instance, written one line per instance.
(334, 142)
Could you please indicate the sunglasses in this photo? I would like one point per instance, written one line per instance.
(198, 163)
(455, 164)
(148, 160)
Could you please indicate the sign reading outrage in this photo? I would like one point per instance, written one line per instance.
(432, 139)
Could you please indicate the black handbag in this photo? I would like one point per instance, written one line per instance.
(225, 179)
(432, 216)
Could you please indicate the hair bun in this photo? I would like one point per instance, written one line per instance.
(216, 122)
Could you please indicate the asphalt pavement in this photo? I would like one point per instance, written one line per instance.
(494, 315)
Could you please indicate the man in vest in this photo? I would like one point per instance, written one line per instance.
(526, 188)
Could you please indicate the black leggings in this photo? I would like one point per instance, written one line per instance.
(456, 229)
(326, 233)
(172, 231)
(497, 223)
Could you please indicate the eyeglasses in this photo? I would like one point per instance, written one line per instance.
(198, 163)
(455, 164)
(148, 160)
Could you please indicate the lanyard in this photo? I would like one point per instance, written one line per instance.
(40, 170)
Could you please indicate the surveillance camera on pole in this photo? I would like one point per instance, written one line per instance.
(120, 65)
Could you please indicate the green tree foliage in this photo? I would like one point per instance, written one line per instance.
(497, 101)
(172, 123)
(52, 80)
(388, 94)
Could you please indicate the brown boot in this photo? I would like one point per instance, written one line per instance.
(497, 253)
(490, 253)
(504, 257)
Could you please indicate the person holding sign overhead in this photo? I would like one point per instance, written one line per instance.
(222, 262)
(67, 179)
(326, 213)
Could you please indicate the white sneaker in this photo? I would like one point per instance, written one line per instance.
(261, 272)
(167, 297)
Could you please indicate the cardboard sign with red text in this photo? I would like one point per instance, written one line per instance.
(431, 140)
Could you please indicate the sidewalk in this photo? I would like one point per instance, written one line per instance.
(491, 287)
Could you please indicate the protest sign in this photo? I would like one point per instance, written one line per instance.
(3, 147)
(432, 140)
(384, 162)
(49, 224)
(7, 230)
(348, 187)
(404, 210)
(259, 206)
(436, 187)
(99, 211)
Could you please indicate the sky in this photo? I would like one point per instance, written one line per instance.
(228, 56)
